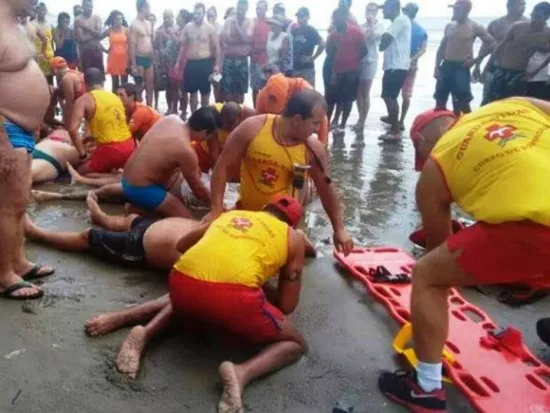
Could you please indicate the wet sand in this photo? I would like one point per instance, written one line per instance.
(48, 364)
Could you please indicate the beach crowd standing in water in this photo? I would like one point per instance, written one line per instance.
(168, 166)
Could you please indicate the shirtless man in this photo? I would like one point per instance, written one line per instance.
(455, 57)
(272, 153)
(511, 57)
(130, 239)
(201, 46)
(19, 119)
(52, 155)
(236, 39)
(141, 51)
(106, 120)
(498, 29)
(89, 31)
(232, 297)
(232, 115)
(71, 86)
(140, 117)
(164, 36)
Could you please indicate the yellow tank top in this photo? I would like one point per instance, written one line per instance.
(267, 168)
(496, 162)
(221, 134)
(108, 124)
(240, 247)
(47, 31)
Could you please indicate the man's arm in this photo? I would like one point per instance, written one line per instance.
(488, 42)
(189, 166)
(422, 50)
(69, 97)
(362, 44)
(320, 174)
(390, 35)
(192, 237)
(491, 29)
(434, 204)
(230, 159)
(501, 46)
(183, 47)
(158, 47)
(290, 276)
(78, 113)
(385, 41)
(215, 45)
(440, 55)
(132, 47)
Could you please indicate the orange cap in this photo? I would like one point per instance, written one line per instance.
(277, 91)
(58, 63)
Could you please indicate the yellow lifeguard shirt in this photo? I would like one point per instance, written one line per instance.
(240, 247)
(267, 168)
(496, 162)
(108, 124)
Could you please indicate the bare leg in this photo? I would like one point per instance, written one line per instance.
(194, 101)
(361, 105)
(109, 192)
(140, 314)
(14, 194)
(432, 277)
(65, 241)
(404, 110)
(116, 223)
(116, 83)
(393, 114)
(76, 178)
(346, 110)
(205, 99)
(129, 356)
(43, 196)
(149, 80)
(235, 377)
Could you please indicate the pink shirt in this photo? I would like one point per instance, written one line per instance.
(260, 32)
(349, 46)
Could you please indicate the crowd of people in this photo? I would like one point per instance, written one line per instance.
(165, 167)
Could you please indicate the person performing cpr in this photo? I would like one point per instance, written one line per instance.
(495, 165)
(273, 154)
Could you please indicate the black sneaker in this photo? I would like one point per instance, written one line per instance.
(543, 330)
(401, 387)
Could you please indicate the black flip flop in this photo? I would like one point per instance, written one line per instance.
(33, 273)
(7, 293)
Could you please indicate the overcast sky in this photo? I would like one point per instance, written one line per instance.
(320, 9)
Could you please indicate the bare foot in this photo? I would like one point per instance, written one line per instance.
(42, 196)
(95, 211)
(75, 176)
(127, 361)
(231, 400)
(104, 324)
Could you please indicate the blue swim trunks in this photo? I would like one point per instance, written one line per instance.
(19, 137)
(147, 197)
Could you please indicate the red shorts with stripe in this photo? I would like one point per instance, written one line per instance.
(111, 156)
(507, 253)
(236, 309)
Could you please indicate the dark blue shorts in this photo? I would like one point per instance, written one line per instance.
(455, 80)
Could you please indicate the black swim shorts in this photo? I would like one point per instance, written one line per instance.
(393, 82)
(197, 74)
(121, 247)
(455, 80)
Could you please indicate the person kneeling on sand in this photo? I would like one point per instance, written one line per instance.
(53, 156)
(249, 248)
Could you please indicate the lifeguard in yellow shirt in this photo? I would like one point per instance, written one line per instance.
(106, 122)
(495, 164)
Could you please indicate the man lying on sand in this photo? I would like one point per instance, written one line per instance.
(249, 248)
(52, 156)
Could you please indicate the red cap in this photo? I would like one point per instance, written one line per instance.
(288, 206)
(420, 123)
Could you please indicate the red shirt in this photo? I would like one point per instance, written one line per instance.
(259, 41)
(349, 45)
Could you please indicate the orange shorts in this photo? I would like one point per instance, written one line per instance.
(507, 253)
(236, 309)
(111, 156)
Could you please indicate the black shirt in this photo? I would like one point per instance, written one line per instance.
(305, 38)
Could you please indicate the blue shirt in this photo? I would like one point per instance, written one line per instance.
(418, 36)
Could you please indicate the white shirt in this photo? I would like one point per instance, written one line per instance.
(274, 49)
(536, 60)
(398, 54)
(374, 42)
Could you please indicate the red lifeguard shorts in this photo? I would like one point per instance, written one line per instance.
(111, 156)
(236, 309)
(507, 253)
